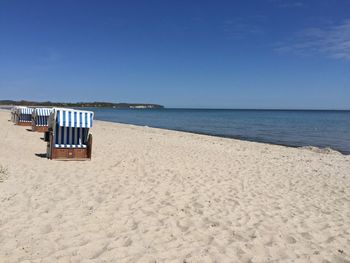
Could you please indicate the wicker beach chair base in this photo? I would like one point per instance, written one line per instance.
(69, 154)
(39, 128)
(22, 123)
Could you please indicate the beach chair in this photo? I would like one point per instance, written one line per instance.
(13, 113)
(23, 116)
(69, 135)
(40, 118)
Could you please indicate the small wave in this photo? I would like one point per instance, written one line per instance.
(326, 150)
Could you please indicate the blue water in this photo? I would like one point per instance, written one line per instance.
(286, 127)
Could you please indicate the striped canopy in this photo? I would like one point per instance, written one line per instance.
(42, 111)
(15, 108)
(73, 118)
(25, 110)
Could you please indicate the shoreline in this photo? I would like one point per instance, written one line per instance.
(242, 138)
(325, 149)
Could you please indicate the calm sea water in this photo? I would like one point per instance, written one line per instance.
(286, 127)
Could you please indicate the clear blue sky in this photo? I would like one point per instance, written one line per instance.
(217, 54)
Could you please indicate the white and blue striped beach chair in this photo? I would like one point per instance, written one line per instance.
(40, 117)
(23, 116)
(14, 113)
(69, 134)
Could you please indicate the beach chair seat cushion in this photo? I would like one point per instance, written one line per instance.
(70, 145)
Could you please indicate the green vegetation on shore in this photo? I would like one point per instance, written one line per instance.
(83, 104)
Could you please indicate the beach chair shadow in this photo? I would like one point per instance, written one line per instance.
(41, 155)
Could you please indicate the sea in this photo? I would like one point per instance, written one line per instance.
(294, 128)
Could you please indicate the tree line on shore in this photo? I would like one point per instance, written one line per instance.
(82, 104)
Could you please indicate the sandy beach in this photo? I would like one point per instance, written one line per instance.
(152, 195)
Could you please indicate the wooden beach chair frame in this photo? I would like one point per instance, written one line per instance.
(18, 120)
(66, 153)
(35, 126)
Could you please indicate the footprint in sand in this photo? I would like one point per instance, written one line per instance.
(127, 242)
(290, 240)
(306, 235)
(45, 229)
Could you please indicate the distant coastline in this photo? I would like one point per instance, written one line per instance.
(82, 104)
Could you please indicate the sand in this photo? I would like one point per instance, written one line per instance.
(152, 195)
